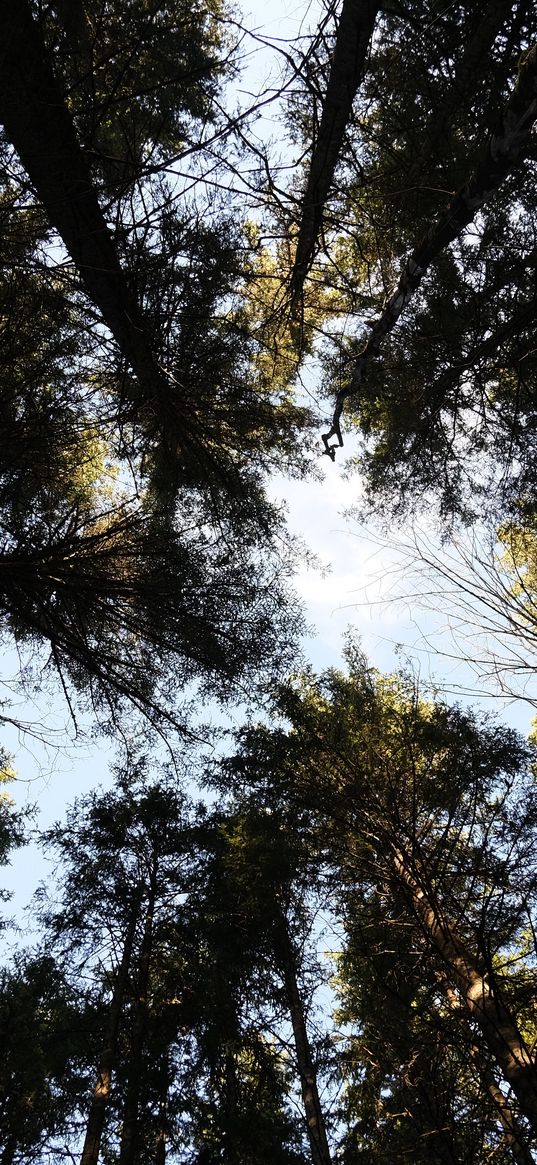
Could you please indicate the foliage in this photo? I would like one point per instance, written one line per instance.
(154, 331)
(423, 815)
(138, 544)
(445, 410)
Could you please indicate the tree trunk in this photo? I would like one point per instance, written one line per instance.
(286, 960)
(160, 1142)
(479, 992)
(514, 1135)
(39, 125)
(129, 1147)
(354, 33)
(97, 1112)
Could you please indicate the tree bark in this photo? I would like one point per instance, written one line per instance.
(162, 1135)
(479, 992)
(503, 151)
(101, 1095)
(286, 959)
(129, 1147)
(514, 1136)
(39, 125)
(354, 33)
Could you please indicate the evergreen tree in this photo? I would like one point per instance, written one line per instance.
(260, 893)
(132, 500)
(428, 817)
(440, 385)
(149, 906)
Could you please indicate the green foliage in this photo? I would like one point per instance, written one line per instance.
(376, 770)
(142, 78)
(446, 413)
(12, 821)
(44, 1043)
(209, 1075)
(138, 546)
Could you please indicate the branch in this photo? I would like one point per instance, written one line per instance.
(477, 50)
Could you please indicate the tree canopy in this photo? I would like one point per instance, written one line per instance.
(306, 933)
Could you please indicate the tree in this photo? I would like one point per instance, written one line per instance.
(132, 494)
(123, 857)
(12, 821)
(444, 372)
(109, 591)
(182, 1051)
(142, 82)
(423, 811)
(416, 1083)
(353, 38)
(123, 270)
(264, 877)
(100, 576)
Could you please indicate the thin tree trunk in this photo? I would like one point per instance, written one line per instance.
(231, 1108)
(286, 959)
(354, 33)
(504, 150)
(479, 992)
(161, 1138)
(101, 1095)
(39, 125)
(129, 1147)
(514, 1136)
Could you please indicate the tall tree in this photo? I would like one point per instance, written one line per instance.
(121, 858)
(503, 151)
(353, 37)
(241, 910)
(436, 367)
(433, 817)
(132, 491)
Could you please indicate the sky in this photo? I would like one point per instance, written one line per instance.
(357, 584)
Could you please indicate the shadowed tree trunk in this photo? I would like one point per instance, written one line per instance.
(286, 961)
(39, 125)
(129, 1149)
(162, 1134)
(101, 1095)
(514, 1136)
(354, 33)
(479, 992)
